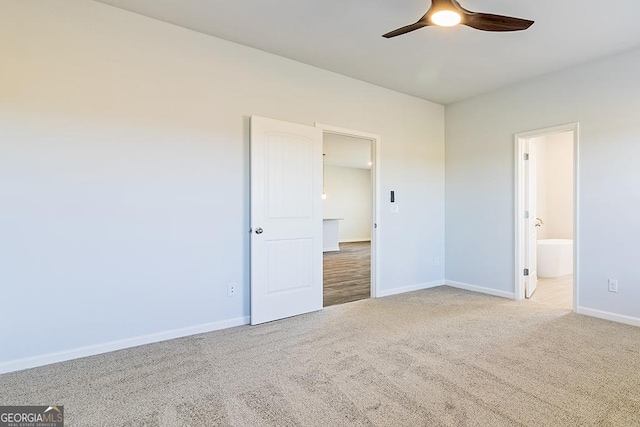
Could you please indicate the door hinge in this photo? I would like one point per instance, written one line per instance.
(375, 225)
(526, 214)
(526, 156)
(526, 271)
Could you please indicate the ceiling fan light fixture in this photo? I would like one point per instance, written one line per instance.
(446, 18)
(449, 13)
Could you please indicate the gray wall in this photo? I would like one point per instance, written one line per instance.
(349, 198)
(124, 173)
(555, 176)
(604, 97)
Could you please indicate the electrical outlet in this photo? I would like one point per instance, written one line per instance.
(232, 290)
(613, 285)
(437, 261)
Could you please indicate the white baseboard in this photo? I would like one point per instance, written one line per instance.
(628, 320)
(480, 289)
(411, 288)
(355, 240)
(92, 350)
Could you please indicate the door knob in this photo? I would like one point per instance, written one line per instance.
(259, 230)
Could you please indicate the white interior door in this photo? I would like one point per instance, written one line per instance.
(531, 198)
(286, 219)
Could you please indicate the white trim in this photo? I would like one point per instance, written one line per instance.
(481, 289)
(576, 216)
(354, 240)
(519, 205)
(627, 320)
(346, 132)
(376, 141)
(92, 350)
(411, 288)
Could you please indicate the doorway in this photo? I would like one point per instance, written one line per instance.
(546, 214)
(349, 215)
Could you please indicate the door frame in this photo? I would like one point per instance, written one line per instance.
(375, 185)
(519, 205)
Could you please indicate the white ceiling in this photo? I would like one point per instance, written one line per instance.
(346, 151)
(439, 64)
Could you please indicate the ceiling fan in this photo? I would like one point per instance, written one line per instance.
(449, 13)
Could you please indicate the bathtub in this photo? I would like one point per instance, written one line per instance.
(555, 257)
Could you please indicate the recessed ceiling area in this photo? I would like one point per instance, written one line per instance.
(346, 151)
(439, 64)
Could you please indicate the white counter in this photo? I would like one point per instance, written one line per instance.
(330, 234)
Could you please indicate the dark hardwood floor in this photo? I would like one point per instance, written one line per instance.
(347, 273)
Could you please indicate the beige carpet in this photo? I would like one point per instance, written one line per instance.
(441, 357)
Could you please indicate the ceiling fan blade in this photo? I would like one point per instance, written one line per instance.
(489, 22)
(407, 29)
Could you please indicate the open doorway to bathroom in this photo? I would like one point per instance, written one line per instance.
(546, 216)
(349, 215)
